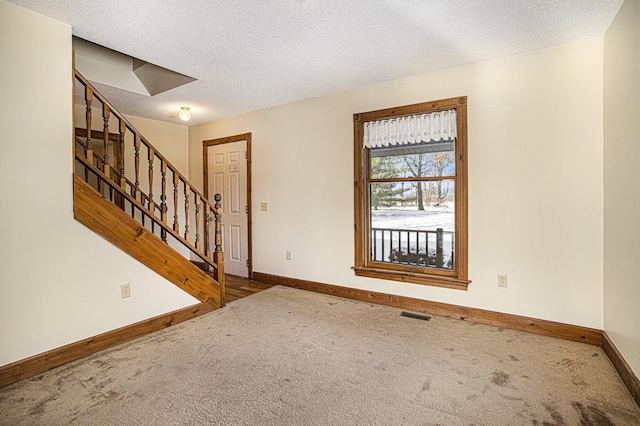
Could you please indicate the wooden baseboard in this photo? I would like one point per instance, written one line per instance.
(480, 316)
(627, 375)
(38, 364)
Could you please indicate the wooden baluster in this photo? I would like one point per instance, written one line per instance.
(152, 205)
(88, 97)
(105, 136)
(218, 254)
(176, 226)
(163, 200)
(187, 193)
(163, 196)
(197, 201)
(208, 218)
(118, 163)
(123, 180)
(136, 145)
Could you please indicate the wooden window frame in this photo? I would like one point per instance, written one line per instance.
(456, 278)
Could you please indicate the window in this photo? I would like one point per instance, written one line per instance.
(411, 193)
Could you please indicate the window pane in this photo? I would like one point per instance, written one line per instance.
(413, 223)
(413, 165)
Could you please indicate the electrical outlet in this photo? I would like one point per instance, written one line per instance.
(125, 291)
(264, 206)
(288, 255)
(502, 280)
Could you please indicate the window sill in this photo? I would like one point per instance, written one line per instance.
(412, 277)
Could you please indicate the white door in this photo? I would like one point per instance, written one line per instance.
(227, 165)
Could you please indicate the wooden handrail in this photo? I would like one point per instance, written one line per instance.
(132, 128)
(114, 176)
(97, 161)
(82, 133)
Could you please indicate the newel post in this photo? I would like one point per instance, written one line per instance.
(218, 255)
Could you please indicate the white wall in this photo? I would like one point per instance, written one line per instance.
(170, 139)
(535, 193)
(59, 281)
(535, 182)
(621, 180)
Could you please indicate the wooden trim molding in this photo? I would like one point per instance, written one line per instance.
(364, 265)
(409, 277)
(627, 375)
(475, 315)
(40, 363)
(96, 134)
(205, 171)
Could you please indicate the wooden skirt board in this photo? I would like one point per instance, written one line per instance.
(114, 225)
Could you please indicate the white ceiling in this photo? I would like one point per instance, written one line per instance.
(253, 54)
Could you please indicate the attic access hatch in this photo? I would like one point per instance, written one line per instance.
(103, 65)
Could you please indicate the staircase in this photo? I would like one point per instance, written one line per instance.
(113, 194)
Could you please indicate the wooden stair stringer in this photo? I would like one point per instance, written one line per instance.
(113, 224)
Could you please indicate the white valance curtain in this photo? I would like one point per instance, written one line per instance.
(412, 129)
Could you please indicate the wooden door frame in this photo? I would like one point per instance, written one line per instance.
(205, 168)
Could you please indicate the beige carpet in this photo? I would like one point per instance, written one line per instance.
(290, 357)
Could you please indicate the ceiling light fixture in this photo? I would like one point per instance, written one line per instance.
(184, 114)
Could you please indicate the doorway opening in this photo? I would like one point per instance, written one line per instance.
(227, 171)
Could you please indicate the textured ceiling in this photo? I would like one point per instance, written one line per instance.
(251, 54)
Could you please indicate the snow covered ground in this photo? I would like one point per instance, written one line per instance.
(429, 219)
(421, 244)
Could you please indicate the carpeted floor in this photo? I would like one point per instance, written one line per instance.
(290, 357)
